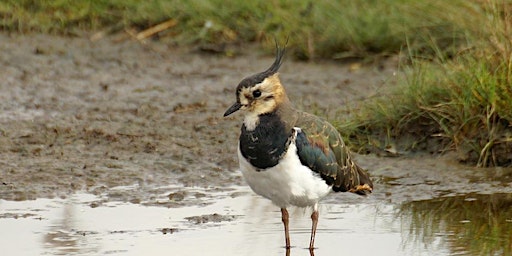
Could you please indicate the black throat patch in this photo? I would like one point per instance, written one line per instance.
(267, 143)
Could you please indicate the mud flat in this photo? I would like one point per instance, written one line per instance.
(114, 147)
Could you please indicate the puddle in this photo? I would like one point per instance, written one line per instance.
(472, 224)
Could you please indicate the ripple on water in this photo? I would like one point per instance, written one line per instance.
(249, 225)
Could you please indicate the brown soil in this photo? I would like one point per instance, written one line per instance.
(93, 116)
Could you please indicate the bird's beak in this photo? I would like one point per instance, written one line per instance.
(235, 107)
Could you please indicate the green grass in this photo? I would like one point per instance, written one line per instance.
(456, 92)
(317, 29)
(462, 103)
(486, 232)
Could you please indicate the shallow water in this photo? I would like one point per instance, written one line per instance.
(131, 142)
(249, 225)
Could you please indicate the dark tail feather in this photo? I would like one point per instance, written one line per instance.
(353, 179)
(365, 184)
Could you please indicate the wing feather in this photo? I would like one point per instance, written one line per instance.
(321, 148)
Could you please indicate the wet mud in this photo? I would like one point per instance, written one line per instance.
(88, 116)
(133, 134)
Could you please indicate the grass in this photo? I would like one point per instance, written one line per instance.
(317, 29)
(456, 92)
(462, 103)
(470, 225)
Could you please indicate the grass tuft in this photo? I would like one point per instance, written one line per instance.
(462, 103)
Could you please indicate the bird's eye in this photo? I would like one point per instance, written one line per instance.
(256, 93)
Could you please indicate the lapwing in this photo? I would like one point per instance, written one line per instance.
(288, 156)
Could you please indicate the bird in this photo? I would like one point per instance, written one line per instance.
(288, 156)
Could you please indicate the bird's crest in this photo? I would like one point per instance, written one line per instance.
(259, 77)
(280, 51)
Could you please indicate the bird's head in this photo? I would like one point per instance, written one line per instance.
(260, 93)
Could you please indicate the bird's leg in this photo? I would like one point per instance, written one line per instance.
(314, 219)
(285, 218)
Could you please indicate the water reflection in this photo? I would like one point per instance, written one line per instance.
(64, 236)
(311, 252)
(472, 224)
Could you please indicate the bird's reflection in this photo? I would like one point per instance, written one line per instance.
(311, 251)
(64, 237)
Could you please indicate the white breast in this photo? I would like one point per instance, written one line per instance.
(288, 183)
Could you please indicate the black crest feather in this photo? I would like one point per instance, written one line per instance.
(279, 59)
(258, 78)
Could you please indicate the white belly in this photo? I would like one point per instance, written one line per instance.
(288, 183)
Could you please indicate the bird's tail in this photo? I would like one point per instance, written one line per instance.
(353, 179)
(363, 185)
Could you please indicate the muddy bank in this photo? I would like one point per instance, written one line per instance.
(143, 123)
(90, 116)
(116, 132)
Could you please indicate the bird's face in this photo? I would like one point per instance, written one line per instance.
(260, 93)
(258, 98)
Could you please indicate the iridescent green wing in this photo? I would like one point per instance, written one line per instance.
(321, 148)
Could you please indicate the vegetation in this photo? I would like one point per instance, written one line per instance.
(461, 102)
(322, 29)
(472, 224)
(456, 93)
